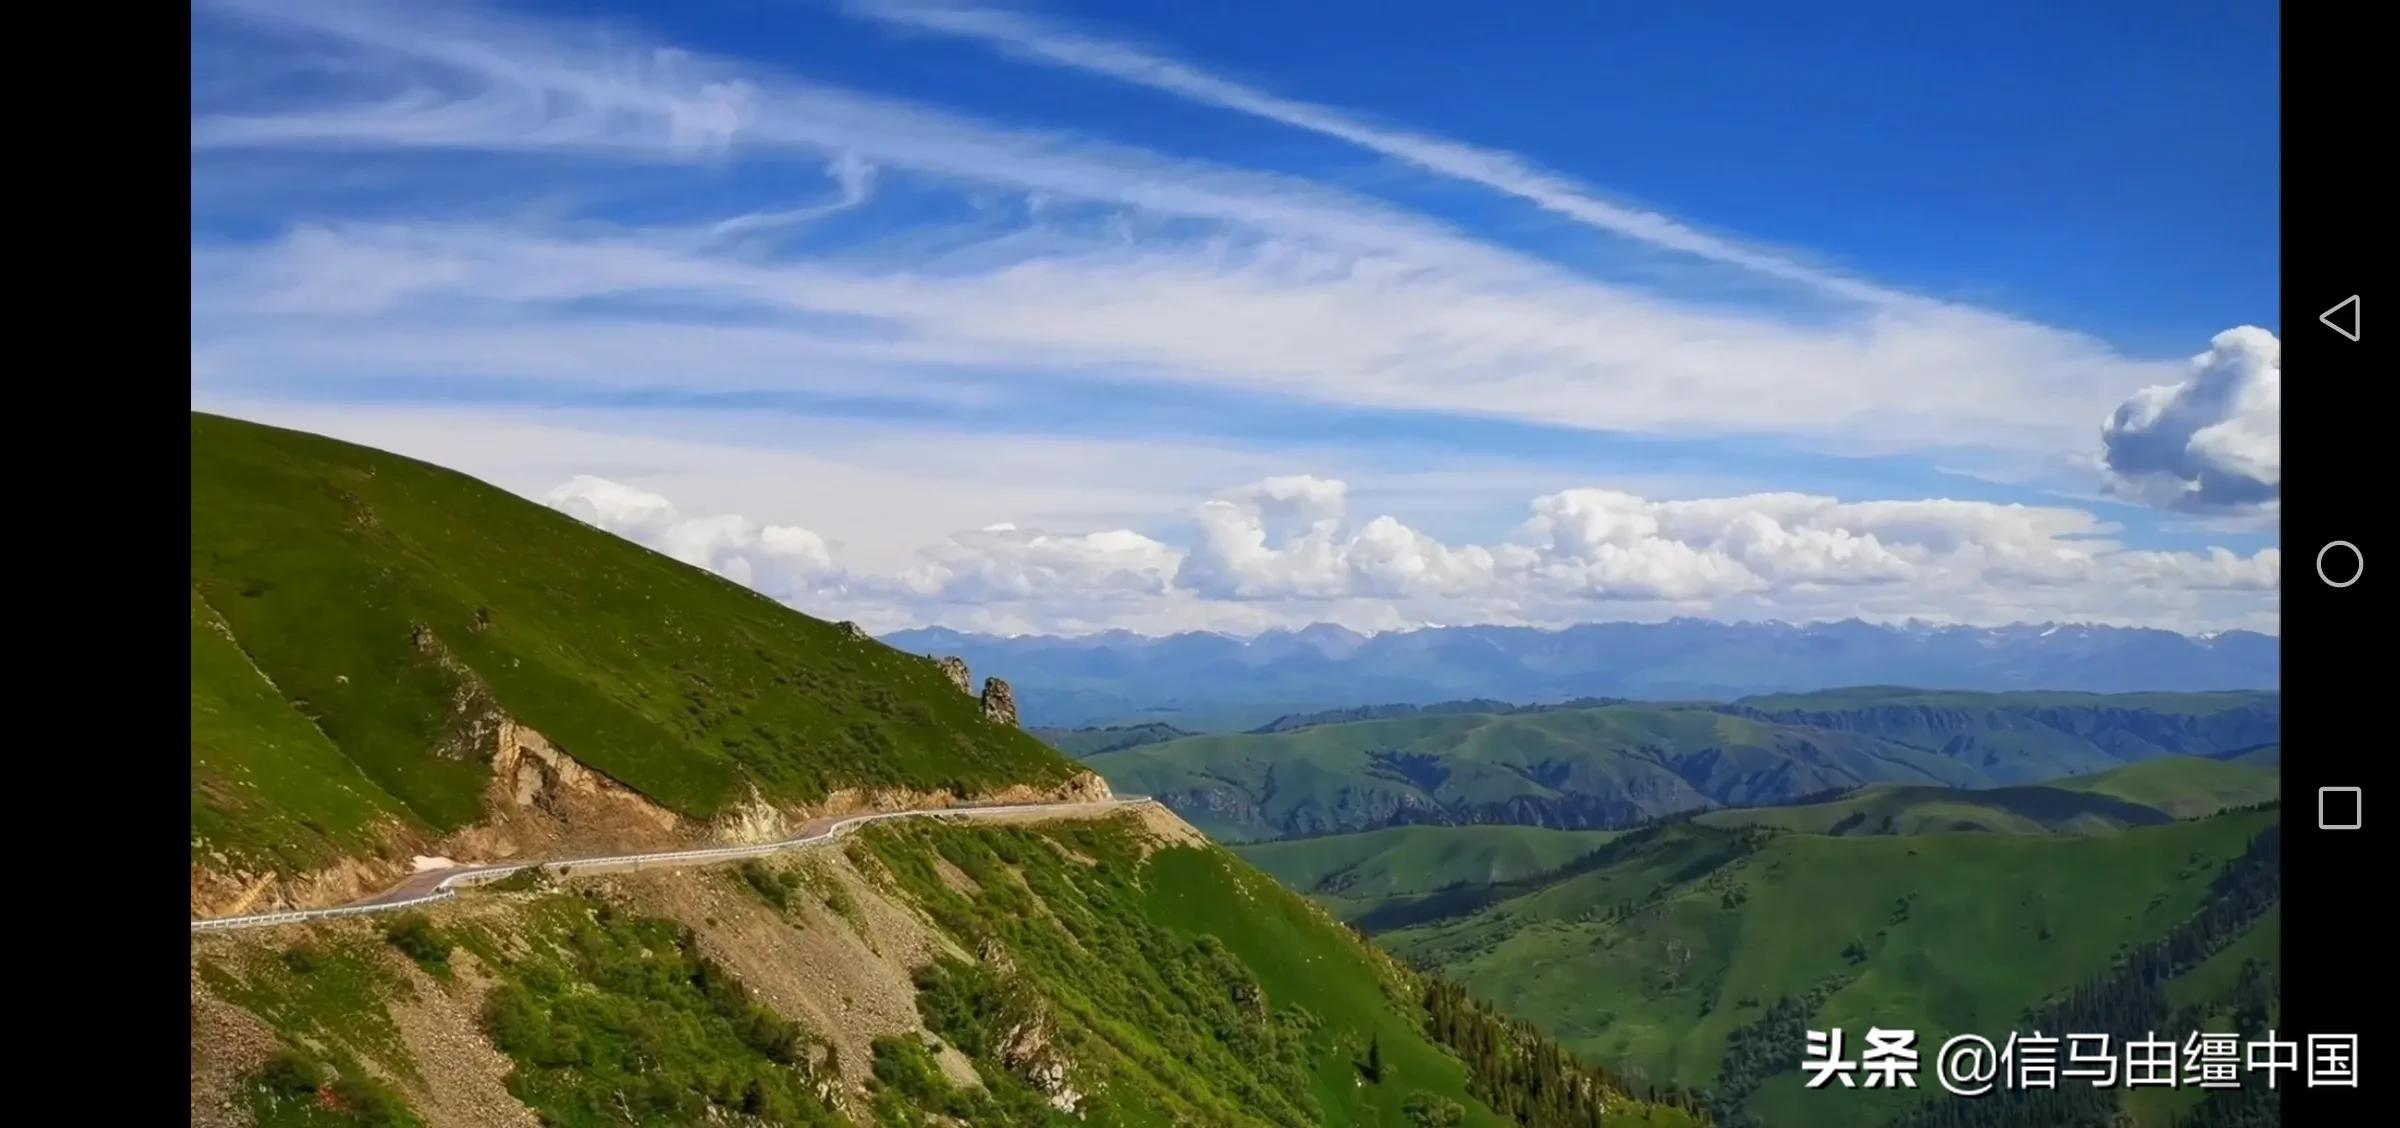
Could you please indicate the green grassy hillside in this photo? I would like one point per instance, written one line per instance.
(1354, 875)
(2263, 756)
(2144, 794)
(2184, 786)
(1617, 764)
(1084, 964)
(395, 609)
(1693, 951)
(2024, 737)
(1899, 809)
(1595, 767)
(267, 784)
(1082, 742)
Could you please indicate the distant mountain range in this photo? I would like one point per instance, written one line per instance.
(1200, 680)
(1611, 766)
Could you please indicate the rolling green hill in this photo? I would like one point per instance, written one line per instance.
(1355, 875)
(2184, 786)
(2143, 794)
(1618, 764)
(2023, 737)
(1082, 742)
(362, 621)
(1898, 809)
(2262, 756)
(1694, 952)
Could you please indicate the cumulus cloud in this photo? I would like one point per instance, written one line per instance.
(2212, 441)
(1004, 562)
(1275, 537)
(1284, 551)
(786, 562)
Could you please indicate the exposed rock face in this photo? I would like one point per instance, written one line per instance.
(534, 774)
(543, 800)
(851, 630)
(999, 702)
(955, 668)
(1085, 787)
(1027, 1049)
(754, 821)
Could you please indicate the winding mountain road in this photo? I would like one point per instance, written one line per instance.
(441, 884)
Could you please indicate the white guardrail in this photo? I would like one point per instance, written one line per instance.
(479, 875)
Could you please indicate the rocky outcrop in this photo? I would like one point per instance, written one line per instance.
(750, 822)
(999, 702)
(852, 630)
(541, 800)
(1028, 1049)
(955, 668)
(1083, 787)
(534, 773)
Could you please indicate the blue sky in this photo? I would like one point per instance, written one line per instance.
(1064, 317)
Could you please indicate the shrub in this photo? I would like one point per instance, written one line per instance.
(1426, 1110)
(290, 1074)
(417, 938)
(774, 886)
(302, 958)
(373, 1104)
(523, 881)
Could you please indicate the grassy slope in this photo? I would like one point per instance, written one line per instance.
(323, 558)
(2183, 786)
(1352, 874)
(1894, 809)
(2028, 736)
(1116, 946)
(1960, 932)
(1301, 958)
(1082, 742)
(266, 784)
(1140, 968)
(1615, 764)
(1877, 696)
(2269, 756)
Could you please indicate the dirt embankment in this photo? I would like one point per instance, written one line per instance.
(837, 957)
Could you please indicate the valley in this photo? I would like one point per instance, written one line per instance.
(1617, 764)
(1692, 951)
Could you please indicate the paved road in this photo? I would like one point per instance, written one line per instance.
(435, 885)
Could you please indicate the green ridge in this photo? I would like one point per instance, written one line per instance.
(389, 604)
(1656, 951)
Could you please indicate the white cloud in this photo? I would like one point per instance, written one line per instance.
(1285, 286)
(1004, 562)
(1257, 316)
(1501, 171)
(783, 561)
(636, 515)
(854, 177)
(2211, 441)
(1134, 269)
(1286, 551)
